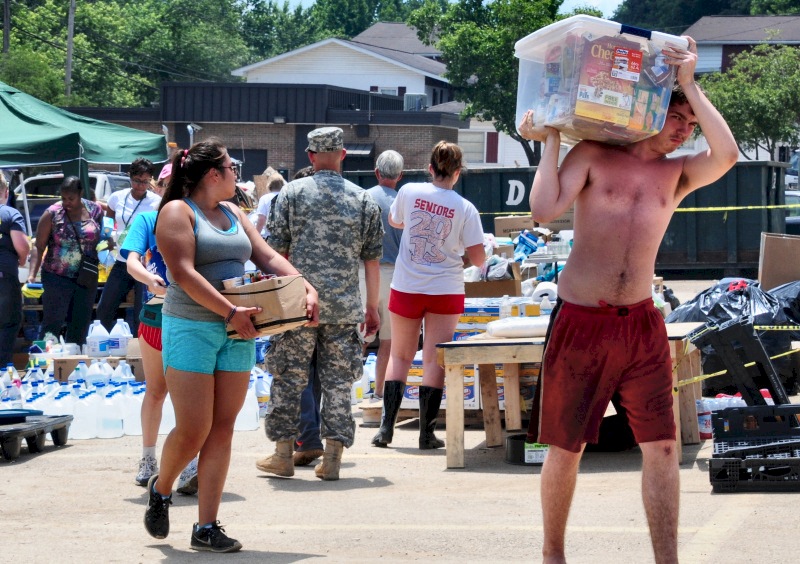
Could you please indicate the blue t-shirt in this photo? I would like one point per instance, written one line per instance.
(10, 220)
(384, 197)
(141, 238)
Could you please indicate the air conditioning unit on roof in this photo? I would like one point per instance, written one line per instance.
(415, 102)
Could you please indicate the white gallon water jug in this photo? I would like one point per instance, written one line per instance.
(95, 374)
(263, 387)
(84, 423)
(97, 340)
(368, 375)
(167, 417)
(118, 338)
(247, 419)
(109, 417)
(132, 413)
(122, 373)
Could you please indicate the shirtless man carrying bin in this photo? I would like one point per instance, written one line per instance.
(606, 335)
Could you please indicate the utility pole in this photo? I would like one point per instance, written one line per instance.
(6, 24)
(70, 31)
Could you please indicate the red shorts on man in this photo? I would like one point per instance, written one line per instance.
(593, 352)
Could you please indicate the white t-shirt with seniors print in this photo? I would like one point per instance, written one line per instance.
(439, 225)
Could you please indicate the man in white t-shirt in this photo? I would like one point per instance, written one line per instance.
(124, 206)
(276, 182)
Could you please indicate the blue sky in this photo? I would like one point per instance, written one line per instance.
(607, 6)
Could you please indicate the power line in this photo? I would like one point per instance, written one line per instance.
(84, 59)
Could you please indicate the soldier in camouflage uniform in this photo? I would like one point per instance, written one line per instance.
(325, 225)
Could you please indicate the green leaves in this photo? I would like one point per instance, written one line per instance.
(477, 42)
(758, 96)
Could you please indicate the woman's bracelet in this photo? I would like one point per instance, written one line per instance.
(230, 315)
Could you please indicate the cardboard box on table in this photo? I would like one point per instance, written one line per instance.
(778, 260)
(283, 300)
(134, 359)
(511, 225)
(478, 312)
(564, 221)
(496, 288)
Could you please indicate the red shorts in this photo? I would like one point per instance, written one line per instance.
(593, 352)
(415, 306)
(151, 335)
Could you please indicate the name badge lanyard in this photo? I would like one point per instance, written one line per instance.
(125, 205)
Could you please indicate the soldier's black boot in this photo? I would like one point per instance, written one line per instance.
(392, 398)
(429, 401)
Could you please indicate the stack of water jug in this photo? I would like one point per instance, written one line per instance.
(106, 402)
(100, 342)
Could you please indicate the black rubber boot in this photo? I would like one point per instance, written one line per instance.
(392, 398)
(429, 401)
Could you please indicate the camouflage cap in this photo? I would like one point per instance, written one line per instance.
(325, 140)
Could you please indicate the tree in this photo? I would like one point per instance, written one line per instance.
(123, 49)
(758, 98)
(477, 42)
(30, 71)
(345, 18)
(774, 7)
(270, 29)
(674, 16)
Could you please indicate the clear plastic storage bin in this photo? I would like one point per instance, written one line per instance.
(596, 79)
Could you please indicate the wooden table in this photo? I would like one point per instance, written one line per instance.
(511, 352)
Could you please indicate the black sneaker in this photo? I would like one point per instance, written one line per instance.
(213, 539)
(156, 517)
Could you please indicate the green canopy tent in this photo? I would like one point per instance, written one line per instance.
(33, 132)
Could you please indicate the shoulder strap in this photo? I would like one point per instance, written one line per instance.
(190, 203)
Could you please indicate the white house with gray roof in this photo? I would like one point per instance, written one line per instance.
(387, 58)
(720, 37)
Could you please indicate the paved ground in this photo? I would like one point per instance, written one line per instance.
(78, 503)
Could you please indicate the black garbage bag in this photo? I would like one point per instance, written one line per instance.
(788, 296)
(736, 298)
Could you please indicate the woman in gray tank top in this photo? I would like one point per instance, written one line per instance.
(204, 240)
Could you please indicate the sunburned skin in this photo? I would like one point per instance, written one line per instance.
(621, 215)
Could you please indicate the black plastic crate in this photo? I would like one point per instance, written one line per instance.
(757, 448)
(764, 422)
(754, 475)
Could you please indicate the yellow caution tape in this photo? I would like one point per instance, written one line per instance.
(721, 372)
(740, 208)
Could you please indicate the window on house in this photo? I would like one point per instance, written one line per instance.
(473, 145)
(388, 90)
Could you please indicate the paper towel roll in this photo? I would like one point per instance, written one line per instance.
(543, 289)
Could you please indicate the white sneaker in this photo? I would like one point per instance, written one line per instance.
(187, 481)
(148, 466)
